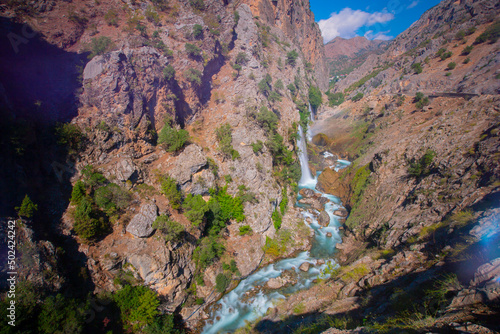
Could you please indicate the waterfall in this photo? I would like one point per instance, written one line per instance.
(311, 114)
(306, 180)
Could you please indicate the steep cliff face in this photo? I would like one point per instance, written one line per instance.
(198, 67)
(296, 21)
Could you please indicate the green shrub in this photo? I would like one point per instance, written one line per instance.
(470, 31)
(315, 97)
(207, 252)
(422, 166)
(291, 58)
(279, 85)
(163, 324)
(257, 147)
(197, 31)
(111, 198)
(27, 208)
(111, 18)
(169, 72)
(417, 68)
(241, 59)
(60, 315)
(281, 155)
(292, 89)
(138, 306)
(335, 99)
(265, 85)
(359, 184)
(357, 97)
(466, 60)
(277, 219)
(491, 34)
(78, 193)
(193, 76)
(446, 55)
(467, 50)
(69, 135)
(92, 177)
(229, 207)
(284, 200)
(172, 140)
(152, 15)
(224, 136)
(460, 35)
(100, 45)
(195, 208)
(222, 282)
(267, 120)
(197, 4)
(169, 228)
(421, 100)
(89, 223)
(192, 50)
(452, 65)
(170, 190)
(245, 229)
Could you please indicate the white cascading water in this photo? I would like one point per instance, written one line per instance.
(309, 134)
(249, 300)
(306, 179)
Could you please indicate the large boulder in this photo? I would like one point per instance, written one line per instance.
(306, 192)
(141, 225)
(312, 202)
(324, 218)
(328, 182)
(190, 161)
(305, 266)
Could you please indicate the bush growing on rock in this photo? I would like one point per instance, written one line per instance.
(417, 68)
(138, 306)
(421, 100)
(192, 50)
(207, 252)
(335, 99)
(100, 45)
(169, 228)
(172, 139)
(27, 208)
(277, 219)
(225, 138)
(197, 31)
(169, 72)
(357, 97)
(267, 120)
(197, 4)
(265, 85)
(491, 34)
(195, 208)
(451, 65)
(89, 224)
(222, 282)
(291, 58)
(257, 147)
(170, 190)
(467, 50)
(70, 136)
(315, 97)
(245, 229)
(111, 198)
(193, 76)
(421, 167)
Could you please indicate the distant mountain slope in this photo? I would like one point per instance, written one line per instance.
(417, 59)
(344, 55)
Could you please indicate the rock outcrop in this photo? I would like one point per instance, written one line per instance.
(141, 225)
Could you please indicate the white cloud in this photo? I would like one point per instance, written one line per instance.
(413, 4)
(346, 22)
(382, 35)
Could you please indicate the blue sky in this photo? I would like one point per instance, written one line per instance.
(372, 19)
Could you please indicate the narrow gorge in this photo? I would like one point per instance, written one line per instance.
(203, 166)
